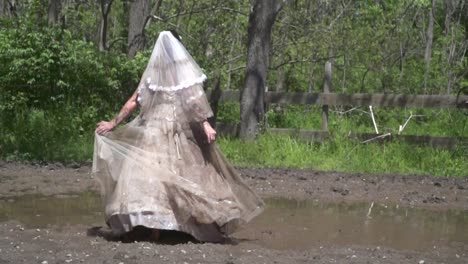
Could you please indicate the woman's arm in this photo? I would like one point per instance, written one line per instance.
(105, 126)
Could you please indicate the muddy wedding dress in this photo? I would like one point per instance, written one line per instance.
(158, 170)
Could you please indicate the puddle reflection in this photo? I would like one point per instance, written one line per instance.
(290, 224)
(285, 224)
(36, 211)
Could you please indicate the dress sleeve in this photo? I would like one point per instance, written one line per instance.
(195, 103)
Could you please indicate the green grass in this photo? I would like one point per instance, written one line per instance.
(342, 154)
(434, 122)
(346, 155)
(67, 136)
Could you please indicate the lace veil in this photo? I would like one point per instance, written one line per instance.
(171, 67)
(171, 71)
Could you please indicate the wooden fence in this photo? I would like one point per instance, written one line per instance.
(327, 99)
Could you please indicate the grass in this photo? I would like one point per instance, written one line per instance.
(38, 135)
(342, 154)
(346, 155)
(434, 122)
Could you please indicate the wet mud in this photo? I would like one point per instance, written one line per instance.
(52, 214)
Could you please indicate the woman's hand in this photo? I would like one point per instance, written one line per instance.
(209, 131)
(104, 127)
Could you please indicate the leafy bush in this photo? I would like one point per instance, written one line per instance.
(54, 89)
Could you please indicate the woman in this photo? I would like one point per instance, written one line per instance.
(163, 170)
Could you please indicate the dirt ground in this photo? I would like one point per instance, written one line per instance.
(93, 244)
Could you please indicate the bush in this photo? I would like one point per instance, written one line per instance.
(53, 90)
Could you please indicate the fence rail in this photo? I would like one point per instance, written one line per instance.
(334, 99)
(320, 136)
(327, 99)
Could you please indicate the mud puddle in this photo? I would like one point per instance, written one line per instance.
(37, 211)
(285, 224)
(292, 224)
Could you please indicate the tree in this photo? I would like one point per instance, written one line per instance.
(429, 41)
(7, 8)
(261, 20)
(154, 12)
(3, 8)
(139, 11)
(55, 7)
(105, 10)
(455, 46)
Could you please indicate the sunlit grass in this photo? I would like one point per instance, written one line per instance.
(434, 122)
(37, 135)
(345, 155)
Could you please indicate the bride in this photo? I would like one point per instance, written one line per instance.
(163, 170)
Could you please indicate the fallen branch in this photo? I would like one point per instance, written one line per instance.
(373, 119)
(374, 138)
(406, 123)
(347, 111)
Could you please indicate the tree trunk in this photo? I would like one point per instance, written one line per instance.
(7, 8)
(310, 87)
(231, 60)
(105, 10)
(449, 10)
(465, 20)
(343, 82)
(55, 7)
(450, 47)
(235, 38)
(280, 79)
(282, 57)
(429, 41)
(139, 11)
(261, 20)
(3, 8)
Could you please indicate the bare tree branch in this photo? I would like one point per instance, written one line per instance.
(222, 8)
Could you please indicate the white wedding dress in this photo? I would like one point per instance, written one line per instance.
(158, 171)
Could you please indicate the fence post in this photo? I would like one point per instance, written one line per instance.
(327, 85)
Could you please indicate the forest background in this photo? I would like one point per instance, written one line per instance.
(65, 65)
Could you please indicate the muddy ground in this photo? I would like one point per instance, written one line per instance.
(94, 244)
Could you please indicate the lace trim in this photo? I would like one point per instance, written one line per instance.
(183, 85)
(180, 86)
